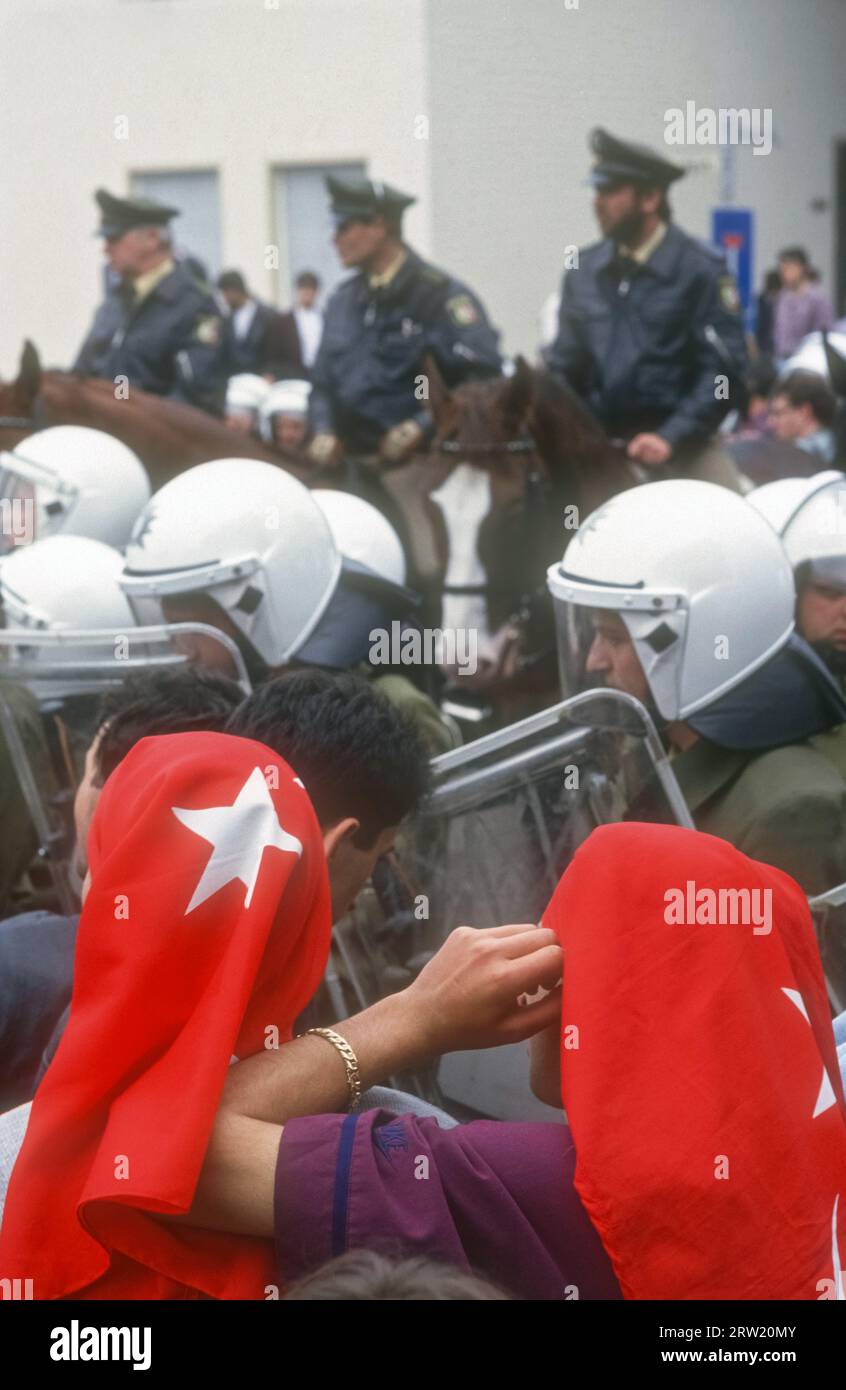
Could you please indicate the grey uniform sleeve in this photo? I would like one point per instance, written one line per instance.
(569, 358)
(719, 351)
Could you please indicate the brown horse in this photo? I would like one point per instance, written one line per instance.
(166, 435)
(515, 465)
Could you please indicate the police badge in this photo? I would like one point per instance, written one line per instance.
(462, 310)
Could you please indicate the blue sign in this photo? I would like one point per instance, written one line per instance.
(732, 230)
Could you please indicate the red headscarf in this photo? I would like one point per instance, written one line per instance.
(204, 934)
(699, 1071)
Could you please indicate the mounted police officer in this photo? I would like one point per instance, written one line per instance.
(159, 326)
(650, 333)
(380, 324)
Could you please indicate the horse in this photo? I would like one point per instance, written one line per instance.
(514, 466)
(167, 436)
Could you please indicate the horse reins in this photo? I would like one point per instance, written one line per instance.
(36, 421)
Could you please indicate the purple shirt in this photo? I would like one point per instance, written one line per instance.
(798, 313)
(493, 1198)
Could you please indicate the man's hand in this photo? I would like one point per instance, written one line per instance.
(649, 449)
(467, 996)
(325, 450)
(401, 441)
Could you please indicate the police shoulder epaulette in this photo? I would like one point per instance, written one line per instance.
(433, 276)
(713, 253)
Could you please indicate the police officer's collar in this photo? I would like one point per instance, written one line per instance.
(381, 281)
(664, 259)
(144, 284)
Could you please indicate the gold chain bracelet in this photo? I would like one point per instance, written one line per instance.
(349, 1059)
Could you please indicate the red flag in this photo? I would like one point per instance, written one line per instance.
(205, 933)
(699, 1071)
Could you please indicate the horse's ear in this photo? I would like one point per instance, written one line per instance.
(29, 372)
(517, 397)
(439, 394)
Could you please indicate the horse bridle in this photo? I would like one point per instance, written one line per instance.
(36, 421)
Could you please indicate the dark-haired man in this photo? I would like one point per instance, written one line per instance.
(245, 330)
(650, 333)
(362, 761)
(802, 411)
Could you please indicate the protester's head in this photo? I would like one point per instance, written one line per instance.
(366, 1276)
(145, 704)
(800, 405)
(307, 289)
(363, 763)
(793, 267)
(233, 288)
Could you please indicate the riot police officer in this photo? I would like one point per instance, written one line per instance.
(379, 326)
(159, 325)
(690, 599)
(650, 333)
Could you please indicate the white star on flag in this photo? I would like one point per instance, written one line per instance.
(240, 834)
(826, 1097)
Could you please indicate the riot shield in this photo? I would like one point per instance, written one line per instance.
(505, 817)
(829, 913)
(50, 685)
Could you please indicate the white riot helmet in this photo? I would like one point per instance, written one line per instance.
(284, 398)
(809, 514)
(684, 564)
(249, 536)
(245, 394)
(62, 583)
(362, 533)
(77, 481)
(810, 356)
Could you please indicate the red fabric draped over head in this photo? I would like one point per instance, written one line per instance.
(699, 1071)
(204, 934)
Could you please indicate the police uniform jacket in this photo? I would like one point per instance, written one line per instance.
(643, 344)
(373, 346)
(168, 343)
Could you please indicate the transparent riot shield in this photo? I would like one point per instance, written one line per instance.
(829, 913)
(50, 685)
(504, 819)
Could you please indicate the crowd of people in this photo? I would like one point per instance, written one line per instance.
(175, 1122)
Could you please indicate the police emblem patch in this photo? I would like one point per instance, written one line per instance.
(729, 298)
(462, 310)
(208, 331)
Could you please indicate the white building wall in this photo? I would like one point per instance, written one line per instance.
(237, 85)
(515, 88)
(510, 89)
